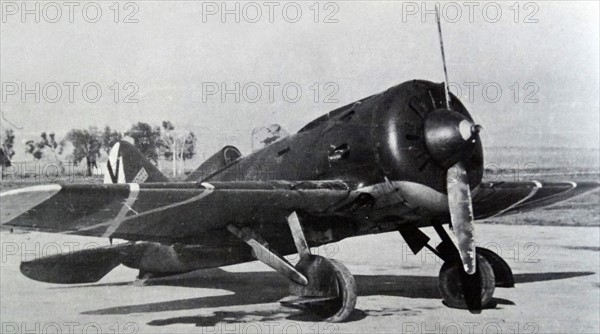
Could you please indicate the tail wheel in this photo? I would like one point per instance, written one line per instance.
(464, 291)
(327, 278)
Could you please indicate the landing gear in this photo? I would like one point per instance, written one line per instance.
(331, 290)
(475, 291)
(460, 290)
(322, 286)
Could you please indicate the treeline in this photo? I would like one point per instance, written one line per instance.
(155, 142)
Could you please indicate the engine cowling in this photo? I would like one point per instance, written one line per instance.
(418, 139)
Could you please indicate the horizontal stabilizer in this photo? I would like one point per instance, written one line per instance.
(84, 266)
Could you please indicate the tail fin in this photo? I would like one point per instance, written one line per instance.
(128, 165)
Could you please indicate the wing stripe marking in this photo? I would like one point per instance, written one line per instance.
(134, 190)
(536, 186)
(42, 188)
(205, 193)
(573, 186)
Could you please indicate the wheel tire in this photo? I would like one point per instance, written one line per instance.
(344, 285)
(502, 272)
(339, 309)
(464, 291)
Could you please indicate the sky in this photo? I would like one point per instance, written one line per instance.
(527, 71)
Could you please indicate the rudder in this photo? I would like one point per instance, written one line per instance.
(128, 165)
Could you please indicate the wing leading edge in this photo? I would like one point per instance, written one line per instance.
(495, 199)
(174, 212)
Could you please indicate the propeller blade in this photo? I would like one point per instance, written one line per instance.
(439, 26)
(461, 214)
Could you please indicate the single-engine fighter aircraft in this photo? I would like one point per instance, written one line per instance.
(400, 160)
(396, 161)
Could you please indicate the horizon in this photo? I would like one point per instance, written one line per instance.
(173, 59)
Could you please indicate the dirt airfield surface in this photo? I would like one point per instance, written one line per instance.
(556, 271)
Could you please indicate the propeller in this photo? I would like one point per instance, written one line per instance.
(451, 137)
(461, 214)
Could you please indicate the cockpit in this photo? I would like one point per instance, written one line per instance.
(267, 135)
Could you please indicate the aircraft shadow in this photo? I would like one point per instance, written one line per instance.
(251, 288)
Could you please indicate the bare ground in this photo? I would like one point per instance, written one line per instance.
(556, 270)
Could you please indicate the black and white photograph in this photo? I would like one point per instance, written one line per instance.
(314, 167)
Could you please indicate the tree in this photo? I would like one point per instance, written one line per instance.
(7, 151)
(177, 146)
(188, 150)
(109, 138)
(47, 144)
(146, 139)
(87, 144)
(167, 144)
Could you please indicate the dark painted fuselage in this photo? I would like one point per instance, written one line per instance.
(364, 143)
(373, 144)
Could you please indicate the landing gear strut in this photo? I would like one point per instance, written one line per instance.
(331, 290)
(322, 286)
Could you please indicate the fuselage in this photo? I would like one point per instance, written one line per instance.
(377, 139)
(376, 145)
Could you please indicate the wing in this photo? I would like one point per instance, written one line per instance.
(165, 212)
(174, 212)
(495, 199)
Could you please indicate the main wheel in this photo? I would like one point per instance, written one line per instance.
(502, 272)
(464, 291)
(331, 284)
